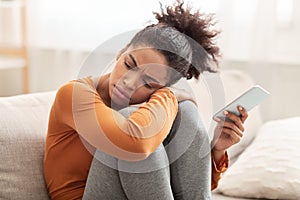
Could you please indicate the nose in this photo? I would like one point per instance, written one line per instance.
(130, 80)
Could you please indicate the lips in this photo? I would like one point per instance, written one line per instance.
(121, 94)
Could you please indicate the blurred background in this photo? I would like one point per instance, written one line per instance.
(43, 43)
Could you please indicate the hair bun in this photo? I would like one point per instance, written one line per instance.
(195, 25)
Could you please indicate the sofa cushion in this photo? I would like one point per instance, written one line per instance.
(23, 122)
(269, 167)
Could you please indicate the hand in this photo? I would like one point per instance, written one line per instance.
(228, 133)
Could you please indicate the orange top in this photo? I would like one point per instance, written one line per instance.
(79, 122)
(218, 169)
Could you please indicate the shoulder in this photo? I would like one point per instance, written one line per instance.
(65, 90)
(80, 85)
(72, 96)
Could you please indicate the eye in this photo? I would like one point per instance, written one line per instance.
(147, 85)
(127, 65)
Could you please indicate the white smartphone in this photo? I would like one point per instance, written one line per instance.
(248, 100)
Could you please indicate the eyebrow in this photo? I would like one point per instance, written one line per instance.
(133, 60)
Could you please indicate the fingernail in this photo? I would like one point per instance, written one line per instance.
(217, 119)
(225, 112)
(240, 108)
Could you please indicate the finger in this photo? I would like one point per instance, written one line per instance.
(234, 137)
(218, 130)
(232, 126)
(244, 113)
(236, 119)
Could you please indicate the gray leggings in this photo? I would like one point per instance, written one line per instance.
(178, 169)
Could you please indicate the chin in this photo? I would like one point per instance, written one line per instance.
(117, 106)
(118, 103)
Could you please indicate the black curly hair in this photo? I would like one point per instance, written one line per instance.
(184, 38)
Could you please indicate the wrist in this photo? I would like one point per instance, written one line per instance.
(218, 155)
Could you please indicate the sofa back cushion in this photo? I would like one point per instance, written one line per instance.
(23, 122)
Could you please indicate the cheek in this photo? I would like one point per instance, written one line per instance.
(116, 74)
(140, 95)
(113, 79)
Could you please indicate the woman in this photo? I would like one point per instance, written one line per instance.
(86, 118)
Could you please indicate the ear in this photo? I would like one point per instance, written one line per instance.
(122, 51)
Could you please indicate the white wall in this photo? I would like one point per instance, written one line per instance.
(280, 79)
(256, 43)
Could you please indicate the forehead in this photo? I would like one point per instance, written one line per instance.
(151, 63)
(147, 55)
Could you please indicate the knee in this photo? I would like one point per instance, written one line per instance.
(189, 115)
(188, 111)
(188, 105)
(126, 112)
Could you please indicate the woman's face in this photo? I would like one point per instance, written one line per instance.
(137, 74)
